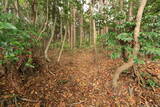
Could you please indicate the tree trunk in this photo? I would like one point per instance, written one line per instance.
(50, 40)
(60, 53)
(74, 27)
(44, 27)
(121, 5)
(94, 33)
(136, 45)
(61, 29)
(33, 14)
(5, 6)
(71, 35)
(130, 11)
(91, 27)
(81, 29)
(16, 4)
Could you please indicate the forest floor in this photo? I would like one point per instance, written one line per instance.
(81, 79)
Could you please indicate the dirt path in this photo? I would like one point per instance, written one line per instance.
(79, 81)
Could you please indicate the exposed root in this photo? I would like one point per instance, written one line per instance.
(139, 77)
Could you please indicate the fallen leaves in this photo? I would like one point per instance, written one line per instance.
(79, 82)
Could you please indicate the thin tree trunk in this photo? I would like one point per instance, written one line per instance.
(60, 53)
(106, 29)
(130, 11)
(74, 27)
(94, 33)
(91, 27)
(91, 32)
(50, 40)
(95, 39)
(121, 5)
(61, 30)
(71, 36)
(136, 45)
(33, 14)
(16, 4)
(121, 9)
(81, 29)
(46, 22)
(5, 6)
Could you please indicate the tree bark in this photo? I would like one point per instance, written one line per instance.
(46, 22)
(91, 26)
(33, 14)
(61, 29)
(50, 40)
(136, 45)
(74, 27)
(94, 32)
(130, 11)
(5, 6)
(121, 5)
(16, 3)
(62, 46)
(71, 35)
(81, 29)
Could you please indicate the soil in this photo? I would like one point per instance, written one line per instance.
(81, 79)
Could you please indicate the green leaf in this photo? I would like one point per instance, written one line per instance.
(125, 37)
(151, 83)
(29, 65)
(139, 61)
(5, 25)
(115, 55)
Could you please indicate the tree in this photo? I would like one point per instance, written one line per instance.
(50, 40)
(81, 28)
(136, 45)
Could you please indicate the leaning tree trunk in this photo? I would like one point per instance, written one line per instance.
(136, 45)
(62, 46)
(44, 27)
(50, 40)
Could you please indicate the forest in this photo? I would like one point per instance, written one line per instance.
(79, 53)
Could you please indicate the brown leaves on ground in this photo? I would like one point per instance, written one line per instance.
(80, 81)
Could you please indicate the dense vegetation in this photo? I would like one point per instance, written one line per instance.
(30, 28)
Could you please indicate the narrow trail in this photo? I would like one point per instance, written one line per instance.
(79, 81)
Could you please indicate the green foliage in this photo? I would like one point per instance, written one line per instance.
(5, 25)
(29, 63)
(58, 44)
(115, 55)
(126, 37)
(85, 44)
(138, 61)
(151, 83)
(148, 80)
(15, 38)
